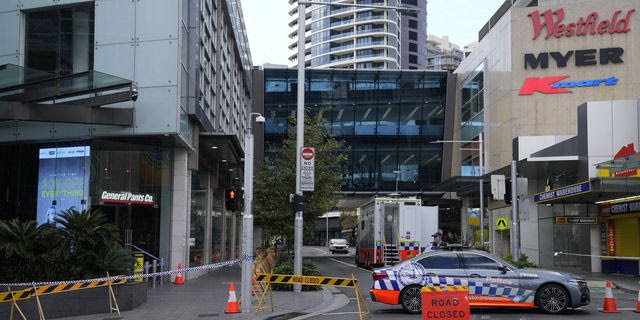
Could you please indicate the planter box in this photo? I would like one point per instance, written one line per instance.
(80, 302)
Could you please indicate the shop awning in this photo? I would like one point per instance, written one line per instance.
(32, 95)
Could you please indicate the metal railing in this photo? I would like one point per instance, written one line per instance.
(155, 263)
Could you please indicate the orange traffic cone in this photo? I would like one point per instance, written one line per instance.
(637, 310)
(232, 304)
(609, 305)
(179, 279)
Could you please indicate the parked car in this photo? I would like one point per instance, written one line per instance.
(338, 245)
(492, 282)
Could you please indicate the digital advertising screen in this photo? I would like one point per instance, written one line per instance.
(63, 181)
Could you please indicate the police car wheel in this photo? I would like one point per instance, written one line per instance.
(410, 299)
(552, 299)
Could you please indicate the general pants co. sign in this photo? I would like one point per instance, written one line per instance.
(307, 168)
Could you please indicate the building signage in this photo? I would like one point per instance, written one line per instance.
(611, 238)
(576, 220)
(587, 57)
(553, 85)
(564, 192)
(621, 208)
(127, 197)
(624, 152)
(592, 24)
(307, 169)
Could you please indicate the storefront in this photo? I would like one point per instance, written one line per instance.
(553, 86)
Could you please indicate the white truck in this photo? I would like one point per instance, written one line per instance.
(391, 230)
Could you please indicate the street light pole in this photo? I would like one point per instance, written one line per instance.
(247, 218)
(480, 152)
(297, 237)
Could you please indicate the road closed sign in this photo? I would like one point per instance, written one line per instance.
(445, 303)
(307, 169)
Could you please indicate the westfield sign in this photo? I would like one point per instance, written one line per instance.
(552, 23)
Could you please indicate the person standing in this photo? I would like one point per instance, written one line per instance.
(438, 243)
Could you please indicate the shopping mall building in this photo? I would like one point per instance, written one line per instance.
(135, 108)
(555, 86)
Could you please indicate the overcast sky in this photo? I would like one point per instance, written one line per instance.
(268, 29)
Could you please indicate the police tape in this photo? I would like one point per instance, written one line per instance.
(307, 280)
(51, 289)
(212, 266)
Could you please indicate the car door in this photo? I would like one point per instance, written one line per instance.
(443, 264)
(491, 282)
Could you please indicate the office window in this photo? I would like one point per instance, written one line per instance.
(60, 41)
(413, 24)
(413, 35)
(413, 58)
(413, 47)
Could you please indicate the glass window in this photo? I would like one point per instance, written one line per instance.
(475, 261)
(60, 41)
(197, 221)
(388, 117)
(430, 164)
(409, 119)
(365, 119)
(364, 166)
(342, 119)
(387, 160)
(441, 261)
(413, 35)
(408, 157)
(473, 94)
(413, 58)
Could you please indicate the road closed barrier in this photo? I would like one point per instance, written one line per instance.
(445, 303)
(269, 279)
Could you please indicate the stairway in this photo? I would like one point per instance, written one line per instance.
(390, 255)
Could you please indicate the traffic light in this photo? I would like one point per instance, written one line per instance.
(231, 199)
(507, 193)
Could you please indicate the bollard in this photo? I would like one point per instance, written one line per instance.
(146, 267)
(154, 268)
(161, 270)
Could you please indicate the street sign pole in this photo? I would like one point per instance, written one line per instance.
(515, 232)
(297, 237)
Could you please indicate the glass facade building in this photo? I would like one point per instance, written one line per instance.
(387, 119)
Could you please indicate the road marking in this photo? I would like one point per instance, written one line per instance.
(340, 313)
(319, 250)
(350, 265)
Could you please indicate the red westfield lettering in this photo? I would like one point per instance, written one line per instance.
(551, 21)
(542, 85)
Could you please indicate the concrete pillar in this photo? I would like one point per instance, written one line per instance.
(180, 209)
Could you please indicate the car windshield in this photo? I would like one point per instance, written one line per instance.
(339, 241)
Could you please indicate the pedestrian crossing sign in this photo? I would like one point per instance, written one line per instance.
(502, 224)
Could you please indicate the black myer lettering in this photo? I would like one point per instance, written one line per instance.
(586, 57)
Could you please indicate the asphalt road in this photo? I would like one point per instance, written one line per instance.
(342, 265)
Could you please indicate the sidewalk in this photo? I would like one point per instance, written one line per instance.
(628, 284)
(206, 297)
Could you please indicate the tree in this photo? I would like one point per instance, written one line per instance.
(277, 178)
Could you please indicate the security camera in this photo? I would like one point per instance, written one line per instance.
(260, 119)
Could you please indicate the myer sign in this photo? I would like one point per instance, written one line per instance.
(126, 197)
(307, 168)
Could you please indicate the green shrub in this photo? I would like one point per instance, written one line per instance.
(285, 266)
(523, 262)
(84, 245)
